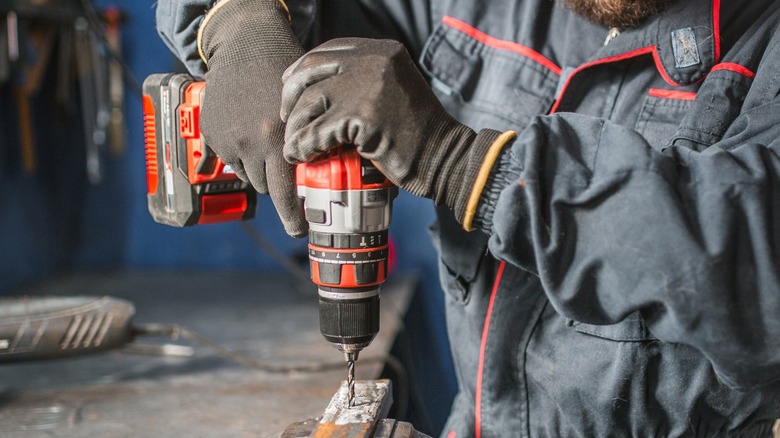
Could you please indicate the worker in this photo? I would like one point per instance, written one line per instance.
(607, 176)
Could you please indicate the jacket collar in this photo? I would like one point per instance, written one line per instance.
(684, 41)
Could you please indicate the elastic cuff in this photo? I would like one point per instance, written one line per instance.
(482, 176)
(210, 14)
(202, 26)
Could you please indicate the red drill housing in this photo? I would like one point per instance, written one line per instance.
(341, 256)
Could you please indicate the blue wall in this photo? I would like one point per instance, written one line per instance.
(55, 222)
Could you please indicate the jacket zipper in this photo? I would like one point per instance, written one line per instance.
(611, 35)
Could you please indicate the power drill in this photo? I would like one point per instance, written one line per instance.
(348, 204)
(347, 201)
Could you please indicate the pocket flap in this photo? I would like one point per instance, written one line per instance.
(631, 329)
(508, 85)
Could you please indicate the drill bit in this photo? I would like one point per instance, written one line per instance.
(350, 383)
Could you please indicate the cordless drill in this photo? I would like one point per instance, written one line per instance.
(346, 199)
(348, 204)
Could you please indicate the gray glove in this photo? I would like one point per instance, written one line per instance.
(369, 93)
(247, 45)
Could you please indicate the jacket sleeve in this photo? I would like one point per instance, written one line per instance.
(177, 24)
(688, 235)
(408, 21)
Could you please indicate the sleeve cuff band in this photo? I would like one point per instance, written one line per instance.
(482, 176)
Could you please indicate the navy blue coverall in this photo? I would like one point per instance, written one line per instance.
(626, 281)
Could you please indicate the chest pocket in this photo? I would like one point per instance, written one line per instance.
(484, 86)
(660, 116)
(631, 329)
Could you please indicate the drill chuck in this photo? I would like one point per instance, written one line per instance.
(349, 319)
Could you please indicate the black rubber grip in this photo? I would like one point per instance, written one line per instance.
(349, 321)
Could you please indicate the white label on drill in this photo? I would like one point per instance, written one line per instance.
(4, 344)
(167, 152)
(228, 169)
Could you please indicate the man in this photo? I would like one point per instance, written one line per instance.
(618, 159)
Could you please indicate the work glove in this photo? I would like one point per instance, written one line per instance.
(247, 45)
(370, 94)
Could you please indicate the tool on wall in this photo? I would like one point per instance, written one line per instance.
(113, 18)
(30, 70)
(86, 47)
(9, 45)
(347, 202)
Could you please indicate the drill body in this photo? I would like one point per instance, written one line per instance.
(348, 205)
(346, 199)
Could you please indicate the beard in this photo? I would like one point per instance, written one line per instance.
(622, 14)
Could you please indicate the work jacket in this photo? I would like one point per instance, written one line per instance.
(625, 280)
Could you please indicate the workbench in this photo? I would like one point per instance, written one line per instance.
(118, 394)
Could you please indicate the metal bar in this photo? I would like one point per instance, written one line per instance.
(372, 403)
(396, 429)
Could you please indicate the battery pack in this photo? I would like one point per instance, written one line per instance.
(187, 183)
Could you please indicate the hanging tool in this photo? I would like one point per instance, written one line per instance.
(7, 35)
(64, 76)
(12, 27)
(41, 41)
(116, 125)
(26, 135)
(100, 84)
(347, 202)
(93, 91)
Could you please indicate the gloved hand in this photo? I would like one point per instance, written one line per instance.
(247, 45)
(369, 93)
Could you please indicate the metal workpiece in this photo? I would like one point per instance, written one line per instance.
(385, 428)
(373, 399)
(364, 419)
(388, 428)
(348, 211)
